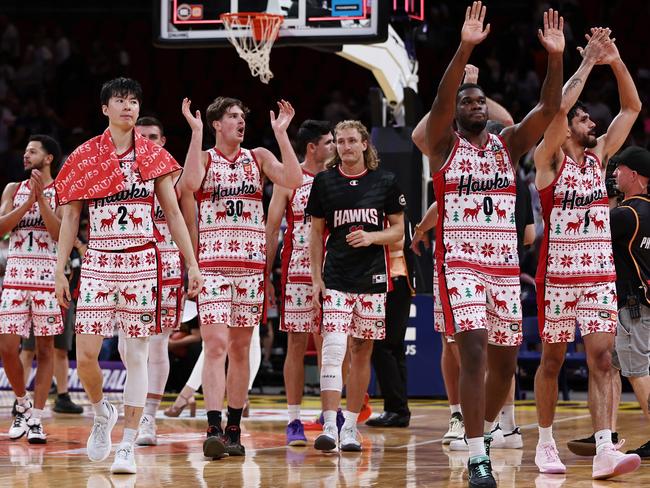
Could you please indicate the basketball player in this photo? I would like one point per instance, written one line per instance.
(227, 181)
(476, 245)
(117, 174)
(170, 306)
(28, 303)
(315, 141)
(450, 359)
(351, 200)
(575, 274)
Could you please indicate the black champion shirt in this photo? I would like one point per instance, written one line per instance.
(348, 204)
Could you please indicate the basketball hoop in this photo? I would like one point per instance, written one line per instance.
(253, 35)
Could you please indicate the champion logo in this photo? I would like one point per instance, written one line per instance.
(354, 182)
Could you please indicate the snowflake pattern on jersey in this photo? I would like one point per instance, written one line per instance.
(476, 190)
(124, 220)
(231, 217)
(31, 257)
(295, 252)
(577, 244)
(24, 310)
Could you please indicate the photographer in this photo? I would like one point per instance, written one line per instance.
(630, 226)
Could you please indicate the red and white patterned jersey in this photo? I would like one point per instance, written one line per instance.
(123, 220)
(577, 245)
(169, 254)
(476, 191)
(231, 217)
(31, 257)
(295, 250)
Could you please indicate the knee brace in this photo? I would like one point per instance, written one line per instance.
(334, 347)
(136, 351)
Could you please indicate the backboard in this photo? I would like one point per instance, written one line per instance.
(185, 23)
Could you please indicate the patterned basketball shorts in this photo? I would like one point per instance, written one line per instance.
(356, 314)
(233, 300)
(118, 288)
(438, 316)
(19, 309)
(171, 306)
(172, 292)
(473, 300)
(559, 307)
(297, 312)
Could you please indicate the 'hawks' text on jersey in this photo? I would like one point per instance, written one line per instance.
(349, 203)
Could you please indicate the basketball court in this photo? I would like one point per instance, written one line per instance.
(410, 457)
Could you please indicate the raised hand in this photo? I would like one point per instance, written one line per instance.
(598, 44)
(471, 74)
(36, 184)
(552, 37)
(472, 31)
(610, 51)
(195, 121)
(285, 114)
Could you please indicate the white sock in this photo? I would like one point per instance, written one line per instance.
(350, 419)
(488, 426)
(37, 414)
(455, 408)
(603, 439)
(545, 435)
(101, 409)
(507, 418)
(151, 407)
(22, 400)
(476, 446)
(129, 435)
(294, 413)
(329, 417)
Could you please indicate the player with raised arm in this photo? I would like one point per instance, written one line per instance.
(576, 275)
(476, 245)
(228, 183)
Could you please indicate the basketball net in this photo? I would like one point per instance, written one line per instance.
(253, 35)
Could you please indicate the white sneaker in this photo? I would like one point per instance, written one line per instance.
(610, 462)
(547, 459)
(99, 442)
(498, 441)
(456, 429)
(350, 439)
(459, 445)
(329, 439)
(513, 439)
(36, 434)
(147, 432)
(124, 460)
(19, 426)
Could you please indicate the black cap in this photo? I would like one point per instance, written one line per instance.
(636, 158)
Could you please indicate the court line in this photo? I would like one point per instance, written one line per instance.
(522, 427)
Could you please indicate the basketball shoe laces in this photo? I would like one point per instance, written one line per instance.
(99, 431)
(550, 451)
(18, 420)
(482, 469)
(122, 454)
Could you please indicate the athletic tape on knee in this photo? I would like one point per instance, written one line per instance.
(333, 352)
(158, 364)
(135, 355)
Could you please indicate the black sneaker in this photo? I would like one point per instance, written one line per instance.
(587, 446)
(643, 452)
(479, 471)
(487, 440)
(214, 446)
(232, 442)
(64, 404)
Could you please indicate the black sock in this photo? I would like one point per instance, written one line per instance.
(234, 416)
(214, 418)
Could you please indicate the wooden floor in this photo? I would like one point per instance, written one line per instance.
(412, 457)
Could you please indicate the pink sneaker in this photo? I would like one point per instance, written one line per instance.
(610, 462)
(547, 459)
